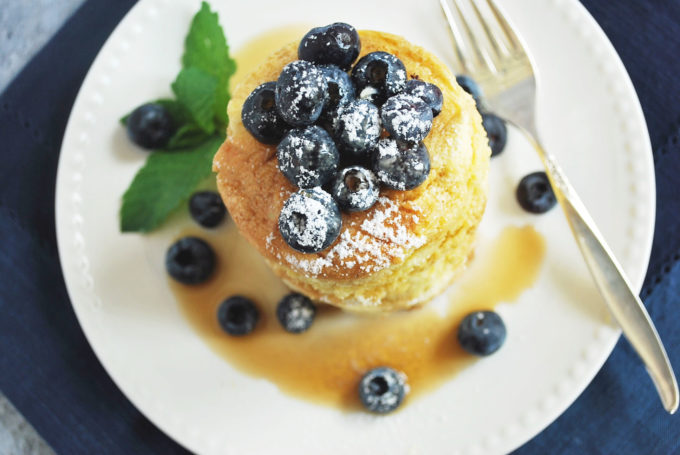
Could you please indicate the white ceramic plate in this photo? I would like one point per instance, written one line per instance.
(559, 331)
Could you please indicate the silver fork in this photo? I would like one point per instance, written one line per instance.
(490, 52)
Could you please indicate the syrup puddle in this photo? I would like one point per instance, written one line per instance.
(325, 363)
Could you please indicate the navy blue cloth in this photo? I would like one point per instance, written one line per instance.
(49, 372)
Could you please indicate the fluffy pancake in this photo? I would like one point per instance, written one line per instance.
(409, 246)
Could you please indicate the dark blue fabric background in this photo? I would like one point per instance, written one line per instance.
(49, 372)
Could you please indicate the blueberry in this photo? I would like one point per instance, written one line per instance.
(238, 315)
(481, 333)
(307, 157)
(207, 208)
(469, 85)
(535, 194)
(150, 126)
(301, 93)
(295, 312)
(429, 93)
(190, 260)
(310, 220)
(399, 165)
(340, 87)
(355, 188)
(379, 75)
(382, 390)
(260, 117)
(337, 44)
(330, 120)
(358, 127)
(496, 131)
(340, 92)
(406, 117)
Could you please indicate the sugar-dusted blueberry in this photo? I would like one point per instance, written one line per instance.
(307, 156)
(301, 92)
(496, 131)
(190, 260)
(358, 127)
(150, 126)
(382, 389)
(355, 188)
(340, 92)
(340, 86)
(406, 117)
(260, 117)
(427, 92)
(295, 312)
(336, 44)
(330, 121)
(238, 315)
(378, 75)
(399, 165)
(207, 208)
(310, 220)
(481, 333)
(469, 85)
(535, 194)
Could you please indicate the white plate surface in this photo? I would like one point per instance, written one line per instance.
(559, 331)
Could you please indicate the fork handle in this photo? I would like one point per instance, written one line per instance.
(624, 304)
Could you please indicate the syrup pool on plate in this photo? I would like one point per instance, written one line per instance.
(325, 363)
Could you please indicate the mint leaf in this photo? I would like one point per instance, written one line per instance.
(206, 48)
(196, 91)
(186, 136)
(166, 180)
(180, 115)
(222, 100)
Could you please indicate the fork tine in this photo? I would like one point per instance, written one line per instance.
(481, 51)
(491, 27)
(514, 42)
(462, 52)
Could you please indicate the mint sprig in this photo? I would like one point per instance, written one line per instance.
(199, 111)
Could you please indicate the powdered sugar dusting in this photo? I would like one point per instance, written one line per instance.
(270, 238)
(371, 246)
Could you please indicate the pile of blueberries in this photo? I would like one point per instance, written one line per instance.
(328, 126)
